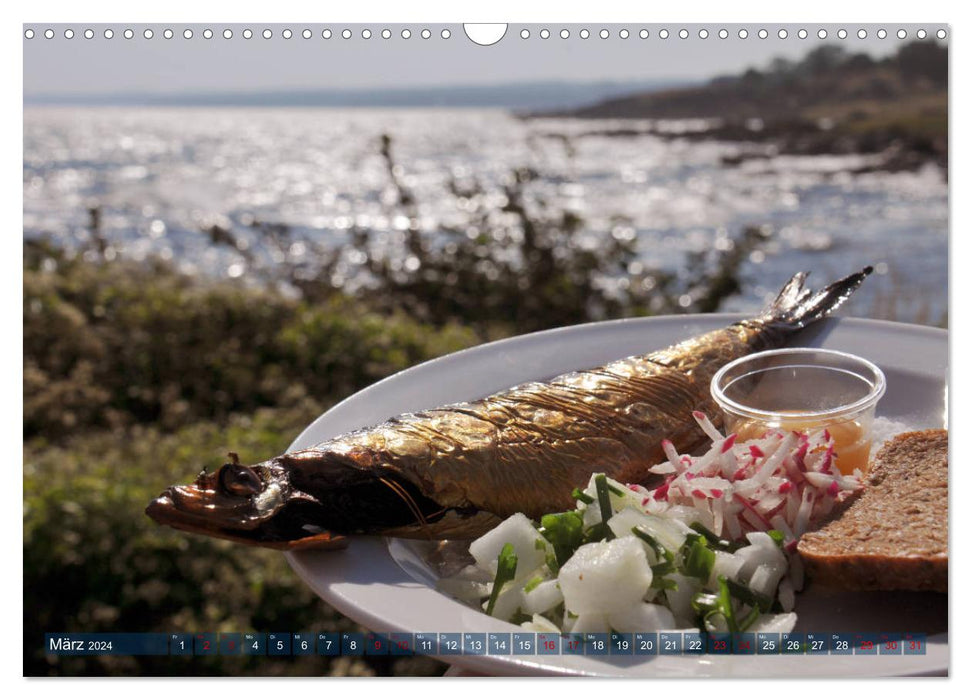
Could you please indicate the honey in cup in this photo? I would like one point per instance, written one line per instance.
(851, 439)
(803, 389)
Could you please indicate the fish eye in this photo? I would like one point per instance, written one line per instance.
(239, 480)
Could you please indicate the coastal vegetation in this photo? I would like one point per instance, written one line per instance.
(831, 101)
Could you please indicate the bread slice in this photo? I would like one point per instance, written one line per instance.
(893, 536)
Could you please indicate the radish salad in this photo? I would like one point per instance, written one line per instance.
(711, 548)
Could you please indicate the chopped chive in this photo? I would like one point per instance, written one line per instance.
(664, 584)
(598, 533)
(663, 569)
(750, 619)
(603, 496)
(725, 604)
(714, 541)
(532, 583)
(777, 537)
(658, 549)
(519, 617)
(565, 532)
(552, 563)
(699, 561)
(712, 614)
(505, 572)
(748, 596)
(579, 495)
(709, 605)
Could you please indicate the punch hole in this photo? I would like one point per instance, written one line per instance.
(365, 33)
(722, 33)
(544, 34)
(327, 34)
(643, 34)
(822, 34)
(941, 34)
(207, 34)
(524, 34)
(109, 33)
(425, 34)
(763, 34)
(624, 34)
(564, 33)
(168, 33)
(783, 34)
(861, 34)
(584, 33)
(227, 33)
(129, 34)
(604, 34)
(446, 33)
(287, 34)
(89, 34)
(306, 34)
(802, 33)
(901, 33)
(881, 34)
(841, 33)
(703, 33)
(663, 34)
(68, 33)
(148, 34)
(743, 34)
(346, 34)
(247, 33)
(29, 34)
(385, 33)
(489, 34)
(921, 34)
(405, 33)
(49, 34)
(683, 34)
(267, 34)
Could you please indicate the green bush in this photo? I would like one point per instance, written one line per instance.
(116, 344)
(94, 562)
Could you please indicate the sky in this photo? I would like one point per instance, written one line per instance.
(177, 65)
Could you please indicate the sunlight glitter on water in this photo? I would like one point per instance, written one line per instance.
(163, 178)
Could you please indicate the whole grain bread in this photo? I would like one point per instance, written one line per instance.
(894, 535)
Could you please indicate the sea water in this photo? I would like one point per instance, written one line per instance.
(161, 177)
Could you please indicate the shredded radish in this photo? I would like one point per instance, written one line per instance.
(784, 481)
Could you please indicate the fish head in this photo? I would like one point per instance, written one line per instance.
(248, 504)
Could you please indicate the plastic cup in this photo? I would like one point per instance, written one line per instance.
(803, 389)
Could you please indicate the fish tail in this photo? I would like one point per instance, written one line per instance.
(797, 307)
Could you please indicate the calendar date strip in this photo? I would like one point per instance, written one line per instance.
(442, 644)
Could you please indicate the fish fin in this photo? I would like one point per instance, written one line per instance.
(797, 307)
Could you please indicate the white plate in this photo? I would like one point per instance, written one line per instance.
(384, 585)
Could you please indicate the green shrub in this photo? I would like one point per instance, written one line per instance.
(94, 562)
(116, 344)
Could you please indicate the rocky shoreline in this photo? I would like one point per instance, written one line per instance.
(830, 103)
(892, 150)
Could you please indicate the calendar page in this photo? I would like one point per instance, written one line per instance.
(422, 349)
